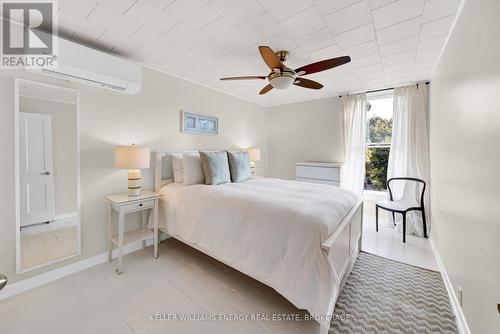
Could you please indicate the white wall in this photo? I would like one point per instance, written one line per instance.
(64, 146)
(307, 131)
(150, 118)
(465, 162)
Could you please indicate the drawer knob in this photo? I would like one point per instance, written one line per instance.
(140, 204)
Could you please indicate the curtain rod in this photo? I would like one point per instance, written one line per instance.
(381, 90)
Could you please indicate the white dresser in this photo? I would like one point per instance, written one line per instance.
(318, 172)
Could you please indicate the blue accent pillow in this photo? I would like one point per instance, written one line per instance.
(239, 166)
(215, 167)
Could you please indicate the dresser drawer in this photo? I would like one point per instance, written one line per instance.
(320, 173)
(139, 206)
(331, 183)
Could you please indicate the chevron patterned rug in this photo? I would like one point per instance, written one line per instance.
(385, 296)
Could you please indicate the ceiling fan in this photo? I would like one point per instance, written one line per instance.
(282, 77)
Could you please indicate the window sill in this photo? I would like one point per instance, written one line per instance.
(374, 195)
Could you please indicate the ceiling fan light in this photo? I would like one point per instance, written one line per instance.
(282, 81)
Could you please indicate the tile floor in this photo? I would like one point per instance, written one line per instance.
(181, 281)
(388, 243)
(37, 249)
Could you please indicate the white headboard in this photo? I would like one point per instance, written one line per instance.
(164, 172)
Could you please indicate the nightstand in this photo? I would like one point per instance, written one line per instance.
(123, 204)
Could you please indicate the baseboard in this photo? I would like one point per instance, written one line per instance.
(66, 216)
(52, 275)
(457, 309)
(52, 226)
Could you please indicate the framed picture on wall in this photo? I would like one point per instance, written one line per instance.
(199, 124)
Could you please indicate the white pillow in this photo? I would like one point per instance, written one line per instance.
(191, 168)
(177, 167)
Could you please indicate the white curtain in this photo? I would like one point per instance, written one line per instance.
(353, 169)
(409, 155)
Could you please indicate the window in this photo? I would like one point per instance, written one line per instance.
(378, 141)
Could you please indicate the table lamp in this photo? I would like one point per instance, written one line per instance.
(134, 159)
(254, 155)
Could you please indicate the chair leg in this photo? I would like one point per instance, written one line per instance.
(376, 217)
(424, 223)
(404, 226)
(394, 218)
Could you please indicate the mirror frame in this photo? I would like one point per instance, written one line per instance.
(19, 269)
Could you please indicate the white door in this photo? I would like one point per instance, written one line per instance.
(36, 169)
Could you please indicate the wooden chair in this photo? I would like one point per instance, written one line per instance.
(402, 206)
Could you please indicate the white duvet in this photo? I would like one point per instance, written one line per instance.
(269, 229)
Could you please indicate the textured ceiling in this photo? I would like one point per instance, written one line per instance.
(391, 42)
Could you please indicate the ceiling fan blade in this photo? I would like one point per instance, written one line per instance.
(323, 65)
(250, 77)
(306, 83)
(270, 58)
(266, 89)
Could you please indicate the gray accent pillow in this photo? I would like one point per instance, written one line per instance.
(215, 167)
(239, 166)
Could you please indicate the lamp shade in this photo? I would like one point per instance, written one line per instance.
(132, 157)
(254, 154)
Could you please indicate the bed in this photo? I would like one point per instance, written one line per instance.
(299, 238)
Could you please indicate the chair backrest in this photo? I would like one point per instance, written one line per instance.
(410, 179)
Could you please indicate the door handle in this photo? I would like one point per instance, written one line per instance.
(3, 281)
(45, 173)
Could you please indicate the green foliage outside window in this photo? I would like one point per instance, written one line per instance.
(377, 158)
(379, 130)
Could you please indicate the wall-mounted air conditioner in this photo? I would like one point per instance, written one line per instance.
(92, 67)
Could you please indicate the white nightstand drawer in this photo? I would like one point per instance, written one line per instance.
(139, 206)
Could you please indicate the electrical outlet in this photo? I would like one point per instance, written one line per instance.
(460, 295)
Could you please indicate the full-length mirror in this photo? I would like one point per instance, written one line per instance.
(47, 174)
